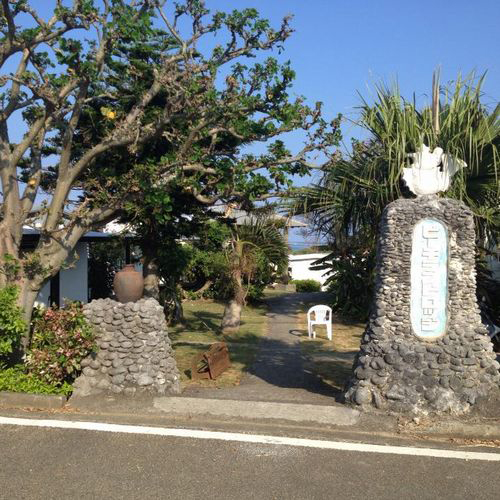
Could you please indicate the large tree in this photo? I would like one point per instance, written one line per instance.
(99, 86)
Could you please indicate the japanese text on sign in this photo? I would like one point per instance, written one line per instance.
(429, 276)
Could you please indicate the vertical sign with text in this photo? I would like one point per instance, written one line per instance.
(429, 279)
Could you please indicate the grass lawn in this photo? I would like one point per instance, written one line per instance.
(202, 328)
(331, 360)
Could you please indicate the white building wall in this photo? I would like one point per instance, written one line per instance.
(299, 267)
(73, 284)
(43, 296)
(74, 279)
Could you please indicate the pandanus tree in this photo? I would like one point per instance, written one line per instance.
(456, 121)
(251, 245)
(347, 203)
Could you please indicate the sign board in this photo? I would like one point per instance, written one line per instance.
(429, 279)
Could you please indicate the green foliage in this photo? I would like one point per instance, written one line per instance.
(144, 119)
(488, 292)
(347, 204)
(10, 266)
(206, 265)
(12, 325)
(263, 237)
(466, 129)
(61, 339)
(307, 285)
(15, 379)
(351, 281)
(265, 273)
(257, 251)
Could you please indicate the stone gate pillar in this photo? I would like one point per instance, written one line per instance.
(134, 351)
(424, 348)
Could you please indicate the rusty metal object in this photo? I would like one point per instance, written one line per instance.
(211, 363)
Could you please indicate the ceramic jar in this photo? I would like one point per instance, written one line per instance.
(128, 284)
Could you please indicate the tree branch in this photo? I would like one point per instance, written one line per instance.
(16, 86)
(35, 177)
(10, 21)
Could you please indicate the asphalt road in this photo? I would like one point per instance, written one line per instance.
(41, 463)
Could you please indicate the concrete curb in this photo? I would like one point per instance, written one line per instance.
(25, 400)
(257, 410)
(458, 430)
(197, 412)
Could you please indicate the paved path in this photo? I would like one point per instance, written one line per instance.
(278, 373)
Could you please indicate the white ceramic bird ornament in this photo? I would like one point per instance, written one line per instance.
(431, 172)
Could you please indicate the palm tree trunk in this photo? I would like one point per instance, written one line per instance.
(178, 315)
(232, 312)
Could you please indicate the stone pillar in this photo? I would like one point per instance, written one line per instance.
(424, 348)
(134, 350)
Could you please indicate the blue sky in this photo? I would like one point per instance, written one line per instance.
(343, 47)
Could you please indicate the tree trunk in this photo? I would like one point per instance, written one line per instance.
(150, 273)
(285, 277)
(178, 316)
(232, 316)
(11, 273)
(29, 271)
(27, 297)
(232, 312)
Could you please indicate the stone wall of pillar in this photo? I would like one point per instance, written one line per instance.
(134, 351)
(399, 371)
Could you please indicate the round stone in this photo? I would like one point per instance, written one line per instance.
(95, 364)
(117, 362)
(144, 380)
(363, 396)
(103, 384)
(118, 379)
(89, 372)
(117, 370)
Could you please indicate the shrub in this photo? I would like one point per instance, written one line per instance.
(12, 325)
(307, 285)
(16, 379)
(61, 339)
(351, 284)
(255, 292)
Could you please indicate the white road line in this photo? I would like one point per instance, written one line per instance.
(250, 438)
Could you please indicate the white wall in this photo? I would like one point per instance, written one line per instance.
(73, 278)
(43, 296)
(299, 265)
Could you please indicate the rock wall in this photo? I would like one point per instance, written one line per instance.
(394, 368)
(134, 350)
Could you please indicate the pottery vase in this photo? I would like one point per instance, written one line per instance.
(128, 284)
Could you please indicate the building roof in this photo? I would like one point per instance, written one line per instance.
(242, 217)
(31, 234)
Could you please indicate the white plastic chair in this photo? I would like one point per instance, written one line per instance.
(322, 316)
